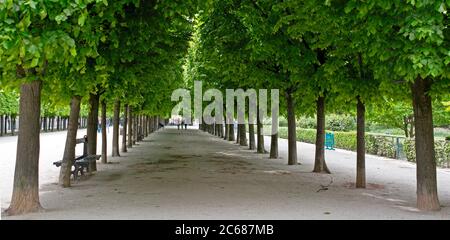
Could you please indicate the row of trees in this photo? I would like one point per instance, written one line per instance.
(122, 53)
(54, 115)
(332, 56)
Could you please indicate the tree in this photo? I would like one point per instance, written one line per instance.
(414, 39)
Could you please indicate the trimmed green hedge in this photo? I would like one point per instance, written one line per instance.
(441, 147)
(375, 144)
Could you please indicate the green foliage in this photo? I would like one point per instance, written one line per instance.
(282, 122)
(306, 122)
(375, 144)
(340, 122)
(442, 152)
(333, 122)
(381, 145)
(9, 102)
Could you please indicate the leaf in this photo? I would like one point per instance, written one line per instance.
(34, 62)
(43, 14)
(82, 19)
(73, 52)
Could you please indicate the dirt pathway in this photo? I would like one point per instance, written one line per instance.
(188, 174)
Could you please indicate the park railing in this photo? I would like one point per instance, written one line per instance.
(10, 124)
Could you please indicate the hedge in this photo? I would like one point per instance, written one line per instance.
(380, 145)
(441, 147)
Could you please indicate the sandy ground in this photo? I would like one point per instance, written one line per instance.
(52, 150)
(188, 174)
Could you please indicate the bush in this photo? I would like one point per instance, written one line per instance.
(306, 135)
(306, 122)
(282, 122)
(375, 144)
(380, 145)
(334, 122)
(441, 147)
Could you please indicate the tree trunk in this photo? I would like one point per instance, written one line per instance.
(104, 137)
(116, 119)
(411, 128)
(251, 136)
(145, 126)
(92, 128)
(320, 166)
(259, 136)
(13, 125)
(231, 132)
(130, 127)
(360, 145)
(45, 124)
(405, 126)
(124, 128)
(152, 127)
(25, 196)
(226, 131)
(135, 130)
(238, 134)
(243, 135)
(52, 124)
(292, 139)
(427, 196)
(71, 142)
(1, 125)
(274, 146)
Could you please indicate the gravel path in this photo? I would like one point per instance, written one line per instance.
(188, 174)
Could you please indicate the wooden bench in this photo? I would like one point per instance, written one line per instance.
(80, 163)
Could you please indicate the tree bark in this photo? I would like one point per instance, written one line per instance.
(405, 126)
(152, 123)
(130, 127)
(135, 130)
(320, 166)
(13, 125)
(274, 146)
(231, 132)
(45, 124)
(292, 139)
(146, 126)
(92, 128)
(427, 196)
(71, 142)
(259, 136)
(226, 131)
(238, 134)
(116, 119)
(52, 124)
(124, 128)
(360, 145)
(104, 131)
(1, 125)
(251, 136)
(243, 135)
(25, 196)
